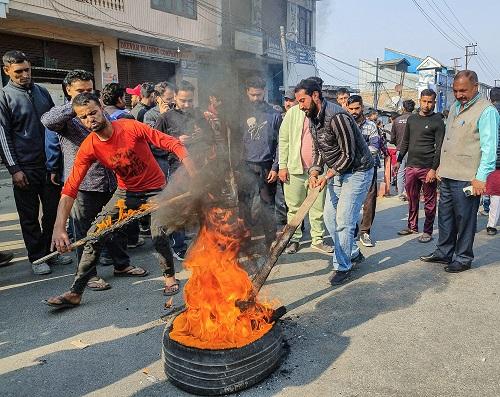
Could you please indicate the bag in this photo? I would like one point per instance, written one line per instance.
(493, 183)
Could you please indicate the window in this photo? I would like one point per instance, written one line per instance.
(305, 26)
(184, 8)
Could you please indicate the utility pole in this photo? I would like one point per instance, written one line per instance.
(455, 64)
(377, 83)
(470, 53)
(285, 57)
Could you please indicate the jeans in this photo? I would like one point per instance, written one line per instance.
(400, 179)
(40, 190)
(457, 221)
(486, 203)
(92, 250)
(345, 196)
(415, 181)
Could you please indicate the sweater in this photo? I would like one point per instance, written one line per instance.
(290, 140)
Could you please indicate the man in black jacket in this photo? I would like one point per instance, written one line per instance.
(22, 147)
(339, 145)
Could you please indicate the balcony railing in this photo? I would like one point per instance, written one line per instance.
(116, 5)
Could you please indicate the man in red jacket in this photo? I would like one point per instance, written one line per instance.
(121, 146)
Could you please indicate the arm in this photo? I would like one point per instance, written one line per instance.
(163, 141)
(393, 132)
(60, 239)
(276, 129)
(56, 119)
(405, 142)
(374, 141)
(83, 160)
(439, 143)
(283, 140)
(52, 154)
(344, 133)
(488, 135)
(7, 150)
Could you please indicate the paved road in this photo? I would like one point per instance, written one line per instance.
(400, 328)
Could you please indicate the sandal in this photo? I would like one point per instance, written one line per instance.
(406, 232)
(64, 303)
(98, 284)
(132, 272)
(173, 289)
(424, 238)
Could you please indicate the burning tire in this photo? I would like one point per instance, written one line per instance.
(218, 372)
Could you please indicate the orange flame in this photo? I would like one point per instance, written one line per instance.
(123, 213)
(212, 320)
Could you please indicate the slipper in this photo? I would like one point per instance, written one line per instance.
(172, 289)
(130, 273)
(98, 283)
(65, 304)
(406, 232)
(424, 238)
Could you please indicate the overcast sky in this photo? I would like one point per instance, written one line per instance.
(350, 30)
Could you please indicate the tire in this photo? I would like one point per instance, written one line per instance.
(218, 372)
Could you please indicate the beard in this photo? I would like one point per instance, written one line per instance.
(312, 111)
(98, 127)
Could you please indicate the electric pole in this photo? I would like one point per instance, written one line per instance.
(470, 50)
(455, 64)
(285, 57)
(376, 85)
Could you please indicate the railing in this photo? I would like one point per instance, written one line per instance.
(116, 5)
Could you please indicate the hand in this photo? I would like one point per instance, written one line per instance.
(185, 139)
(20, 180)
(272, 177)
(437, 175)
(54, 179)
(60, 240)
(430, 177)
(321, 183)
(190, 167)
(283, 175)
(162, 105)
(396, 167)
(478, 187)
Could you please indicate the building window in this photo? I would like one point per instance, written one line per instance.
(184, 8)
(305, 26)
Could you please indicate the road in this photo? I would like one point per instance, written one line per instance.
(400, 328)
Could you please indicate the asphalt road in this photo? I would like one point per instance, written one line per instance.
(400, 328)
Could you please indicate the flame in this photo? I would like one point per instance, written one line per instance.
(123, 213)
(211, 319)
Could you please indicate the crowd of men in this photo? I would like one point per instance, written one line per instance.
(78, 159)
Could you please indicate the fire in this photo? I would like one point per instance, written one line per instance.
(123, 213)
(212, 320)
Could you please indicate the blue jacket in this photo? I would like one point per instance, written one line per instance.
(260, 127)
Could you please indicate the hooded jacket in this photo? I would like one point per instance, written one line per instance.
(22, 135)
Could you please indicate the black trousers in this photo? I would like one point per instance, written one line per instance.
(457, 221)
(86, 208)
(40, 191)
(369, 206)
(92, 250)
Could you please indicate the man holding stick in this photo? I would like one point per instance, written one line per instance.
(122, 146)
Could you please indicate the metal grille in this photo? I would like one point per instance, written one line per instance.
(117, 5)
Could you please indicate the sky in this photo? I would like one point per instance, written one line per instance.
(353, 30)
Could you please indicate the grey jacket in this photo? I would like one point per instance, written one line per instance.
(22, 135)
(62, 120)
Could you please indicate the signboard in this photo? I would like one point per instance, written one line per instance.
(248, 42)
(297, 53)
(108, 77)
(153, 52)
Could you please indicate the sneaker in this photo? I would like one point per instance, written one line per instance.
(403, 197)
(59, 260)
(366, 240)
(5, 258)
(179, 255)
(360, 258)
(140, 241)
(340, 277)
(491, 231)
(322, 247)
(41, 269)
(292, 248)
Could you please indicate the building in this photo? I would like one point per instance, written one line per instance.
(132, 41)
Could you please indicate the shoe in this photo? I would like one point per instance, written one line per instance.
(366, 240)
(491, 231)
(432, 258)
(403, 197)
(322, 247)
(360, 258)
(59, 260)
(5, 258)
(41, 269)
(292, 248)
(145, 233)
(406, 232)
(180, 255)
(340, 277)
(140, 241)
(484, 213)
(456, 267)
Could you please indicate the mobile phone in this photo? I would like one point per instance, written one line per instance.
(468, 191)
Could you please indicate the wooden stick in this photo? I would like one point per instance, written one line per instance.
(114, 227)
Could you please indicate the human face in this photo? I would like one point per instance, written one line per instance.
(373, 117)
(307, 102)
(134, 100)
(168, 96)
(78, 87)
(342, 99)
(464, 90)
(289, 103)
(91, 116)
(356, 110)
(255, 95)
(427, 104)
(184, 100)
(19, 73)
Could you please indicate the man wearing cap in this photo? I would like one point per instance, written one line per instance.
(295, 157)
(146, 102)
(135, 95)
